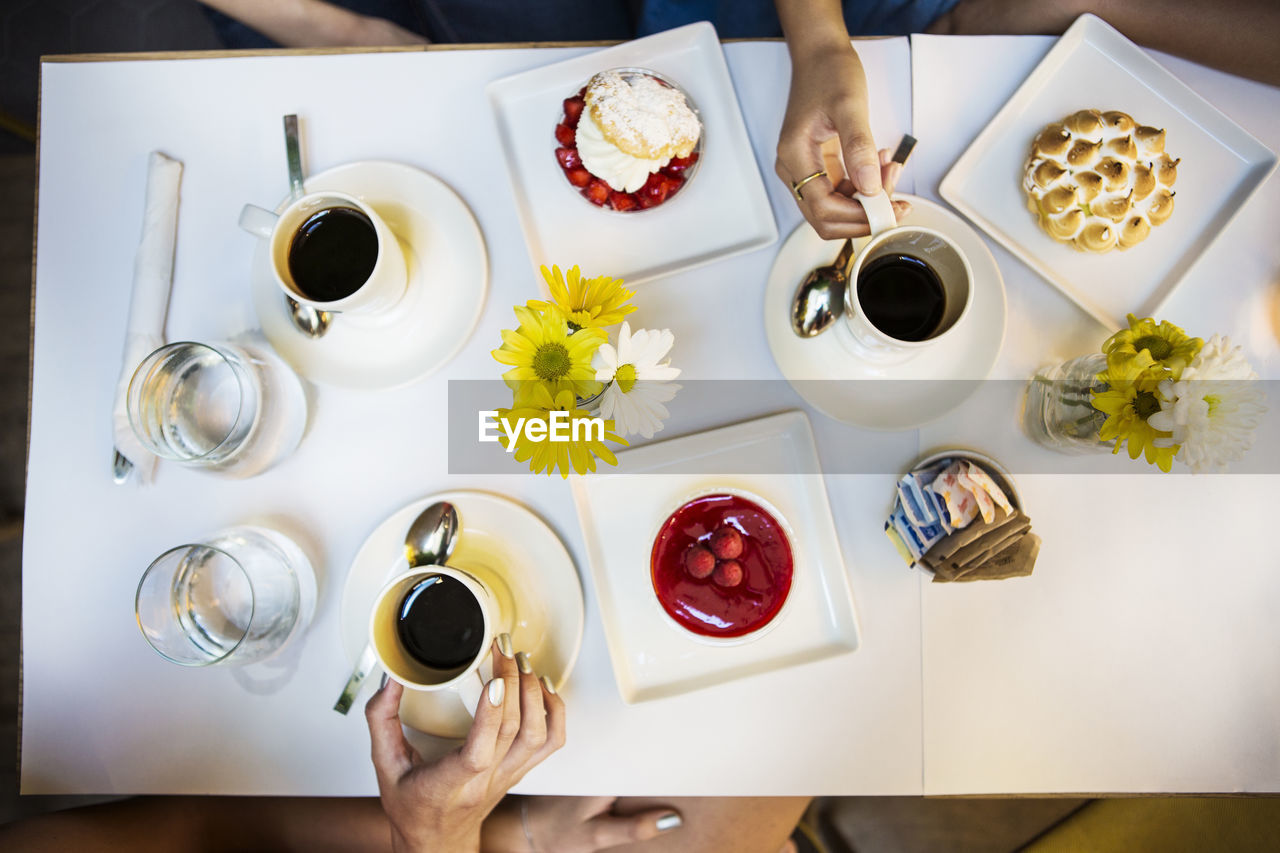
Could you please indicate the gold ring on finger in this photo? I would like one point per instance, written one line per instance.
(797, 186)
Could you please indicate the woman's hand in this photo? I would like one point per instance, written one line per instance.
(581, 824)
(441, 805)
(827, 104)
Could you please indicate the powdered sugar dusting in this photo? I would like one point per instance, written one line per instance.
(642, 116)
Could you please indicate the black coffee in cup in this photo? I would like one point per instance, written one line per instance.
(332, 254)
(440, 623)
(902, 296)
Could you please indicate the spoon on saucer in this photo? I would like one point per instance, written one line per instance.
(819, 299)
(429, 541)
(308, 320)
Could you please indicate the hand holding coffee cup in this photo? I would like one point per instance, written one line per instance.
(333, 252)
(909, 287)
(431, 628)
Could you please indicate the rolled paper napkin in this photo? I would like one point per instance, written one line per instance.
(152, 281)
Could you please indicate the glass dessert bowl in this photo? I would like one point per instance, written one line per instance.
(644, 112)
(722, 566)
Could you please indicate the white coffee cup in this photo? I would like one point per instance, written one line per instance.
(385, 284)
(466, 680)
(938, 251)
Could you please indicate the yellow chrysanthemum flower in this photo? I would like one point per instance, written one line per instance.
(543, 352)
(1133, 396)
(1168, 345)
(578, 453)
(586, 303)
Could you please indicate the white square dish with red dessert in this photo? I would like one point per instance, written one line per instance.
(715, 558)
(633, 159)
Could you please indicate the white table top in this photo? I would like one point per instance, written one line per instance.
(104, 714)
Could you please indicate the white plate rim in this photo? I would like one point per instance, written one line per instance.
(783, 342)
(290, 345)
(704, 35)
(1085, 26)
(832, 584)
(461, 497)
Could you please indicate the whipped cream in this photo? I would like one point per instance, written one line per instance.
(606, 161)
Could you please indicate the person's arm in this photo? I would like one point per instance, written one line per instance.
(828, 101)
(1238, 36)
(314, 23)
(441, 805)
(570, 825)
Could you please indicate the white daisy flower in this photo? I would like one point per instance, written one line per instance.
(1212, 410)
(639, 380)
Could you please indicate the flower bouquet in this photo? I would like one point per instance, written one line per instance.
(572, 389)
(1154, 390)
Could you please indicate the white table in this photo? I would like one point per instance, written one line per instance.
(104, 714)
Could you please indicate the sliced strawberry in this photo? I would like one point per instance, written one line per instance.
(568, 158)
(597, 192)
(579, 177)
(566, 135)
(679, 164)
(645, 200)
(573, 110)
(623, 201)
(672, 184)
(655, 188)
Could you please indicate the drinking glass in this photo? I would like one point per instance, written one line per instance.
(231, 408)
(235, 597)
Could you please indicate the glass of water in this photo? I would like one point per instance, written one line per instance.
(237, 597)
(231, 408)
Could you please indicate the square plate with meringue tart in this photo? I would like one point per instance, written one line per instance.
(1106, 174)
(633, 159)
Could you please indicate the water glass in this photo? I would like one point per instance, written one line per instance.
(231, 408)
(236, 597)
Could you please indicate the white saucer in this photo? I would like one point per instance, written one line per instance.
(967, 353)
(498, 538)
(448, 275)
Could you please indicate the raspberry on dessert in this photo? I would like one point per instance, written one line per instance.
(573, 110)
(566, 135)
(597, 192)
(568, 158)
(726, 544)
(699, 562)
(728, 573)
(622, 201)
(578, 177)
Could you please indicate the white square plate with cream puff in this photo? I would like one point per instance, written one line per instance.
(633, 161)
(1106, 174)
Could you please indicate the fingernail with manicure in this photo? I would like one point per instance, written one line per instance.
(547, 685)
(668, 821)
(522, 661)
(504, 644)
(869, 179)
(497, 689)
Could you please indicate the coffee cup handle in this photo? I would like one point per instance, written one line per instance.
(471, 689)
(880, 213)
(258, 221)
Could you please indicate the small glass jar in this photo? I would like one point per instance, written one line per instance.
(1058, 411)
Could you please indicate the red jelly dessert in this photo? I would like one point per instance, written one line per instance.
(658, 188)
(743, 594)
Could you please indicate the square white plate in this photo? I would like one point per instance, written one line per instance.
(722, 211)
(1095, 67)
(621, 512)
